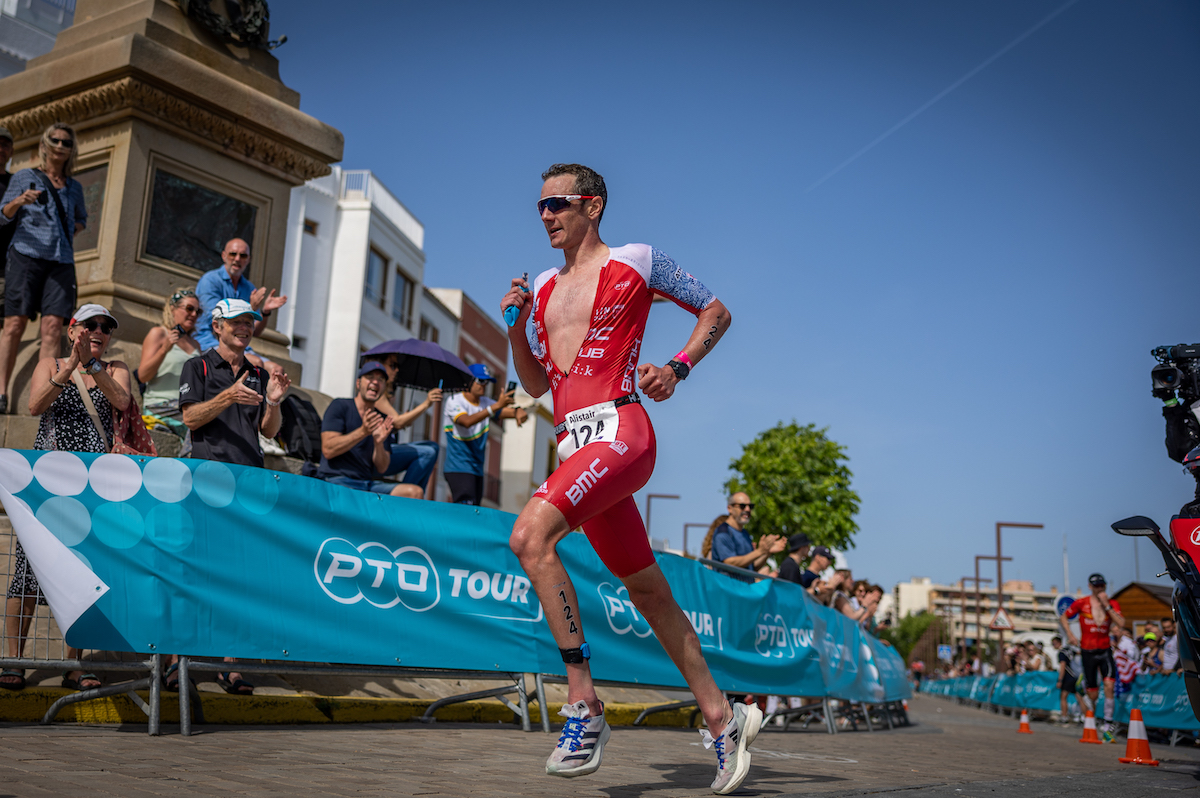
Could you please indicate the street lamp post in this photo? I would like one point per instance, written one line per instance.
(978, 628)
(685, 535)
(650, 496)
(963, 615)
(999, 575)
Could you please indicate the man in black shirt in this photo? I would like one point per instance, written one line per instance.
(356, 439)
(798, 546)
(6, 231)
(226, 401)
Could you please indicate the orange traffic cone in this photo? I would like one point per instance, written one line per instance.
(1089, 729)
(1024, 729)
(1137, 750)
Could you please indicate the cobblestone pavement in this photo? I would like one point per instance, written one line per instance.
(949, 751)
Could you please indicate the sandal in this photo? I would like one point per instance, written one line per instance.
(236, 687)
(17, 680)
(77, 684)
(169, 684)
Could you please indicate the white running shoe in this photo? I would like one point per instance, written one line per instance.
(733, 760)
(581, 743)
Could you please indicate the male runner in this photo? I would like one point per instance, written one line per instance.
(588, 317)
(1096, 613)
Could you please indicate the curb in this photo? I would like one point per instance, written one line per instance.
(30, 704)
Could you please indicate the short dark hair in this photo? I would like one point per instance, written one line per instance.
(587, 181)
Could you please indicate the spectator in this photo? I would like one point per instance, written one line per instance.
(874, 596)
(66, 425)
(732, 544)
(798, 547)
(229, 282)
(417, 458)
(1151, 662)
(1170, 646)
(165, 350)
(6, 230)
(1034, 660)
(222, 395)
(356, 439)
(226, 402)
(1067, 677)
(45, 208)
(822, 558)
(1127, 659)
(468, 417)
(706, 546)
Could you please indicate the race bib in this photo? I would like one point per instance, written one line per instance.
(589, 425)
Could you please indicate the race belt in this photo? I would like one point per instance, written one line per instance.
(631, 399)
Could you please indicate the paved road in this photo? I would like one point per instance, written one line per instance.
(949, 751)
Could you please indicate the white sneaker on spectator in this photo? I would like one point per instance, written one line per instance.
(581, 743)
(733, 760)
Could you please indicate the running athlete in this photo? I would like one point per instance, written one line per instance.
(588, 317)
(1096, 614)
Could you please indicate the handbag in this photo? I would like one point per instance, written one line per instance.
(130, 435)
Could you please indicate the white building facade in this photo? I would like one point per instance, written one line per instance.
(354, 269)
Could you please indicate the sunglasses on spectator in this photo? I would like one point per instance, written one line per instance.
(560, 202)
(191, 310)
(64, 143)
(91, 325)
(749, 506)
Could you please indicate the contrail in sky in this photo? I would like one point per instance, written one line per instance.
(942, 94)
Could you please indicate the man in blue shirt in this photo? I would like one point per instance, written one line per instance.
(229, 282)
(732, 545)
(468, 417)
(356, 439)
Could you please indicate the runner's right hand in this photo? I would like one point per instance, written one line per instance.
(516, 298)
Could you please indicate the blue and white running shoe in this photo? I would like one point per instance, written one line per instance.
(733, 760)
(581, 743)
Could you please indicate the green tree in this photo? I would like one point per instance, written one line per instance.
(799, 482)
(904, 635)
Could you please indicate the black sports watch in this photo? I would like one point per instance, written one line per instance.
(681, 370)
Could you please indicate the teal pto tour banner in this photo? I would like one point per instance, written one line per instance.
(202, 558)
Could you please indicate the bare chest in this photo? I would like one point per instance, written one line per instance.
(568, 314)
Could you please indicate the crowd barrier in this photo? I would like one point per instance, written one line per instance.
(1162, 698)
(159, 555)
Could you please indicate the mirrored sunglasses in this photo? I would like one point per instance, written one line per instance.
(560, 202)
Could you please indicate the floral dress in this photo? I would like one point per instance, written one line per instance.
(66, 427)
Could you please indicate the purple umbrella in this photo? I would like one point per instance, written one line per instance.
(424, 365)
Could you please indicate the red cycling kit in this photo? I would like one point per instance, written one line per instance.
(605, 440)
(1096, 650)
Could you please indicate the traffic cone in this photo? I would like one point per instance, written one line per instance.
(1137, 750)
(1089, 729)
(1024, 729)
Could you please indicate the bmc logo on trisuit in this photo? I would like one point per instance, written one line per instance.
(584, 482)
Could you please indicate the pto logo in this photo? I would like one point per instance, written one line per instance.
(771, 638)
(374, 573)
(623, 617)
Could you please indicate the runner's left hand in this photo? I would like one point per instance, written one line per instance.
(657, 383)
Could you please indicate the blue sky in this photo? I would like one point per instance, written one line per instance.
(968, 306)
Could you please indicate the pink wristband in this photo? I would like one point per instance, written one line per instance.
(684, 359)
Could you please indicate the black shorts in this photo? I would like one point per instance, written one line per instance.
(34, 285)
(1099, 663)
(465, 488)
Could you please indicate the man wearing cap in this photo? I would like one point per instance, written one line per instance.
(798, 547)
(228, 281)
(732, 544)
(356, 439)
(226, 400)
(822, 558)
(468, 416)
(1096, 615)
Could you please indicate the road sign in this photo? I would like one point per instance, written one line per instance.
(1063, 602)
(1001, 622)
(945, 653)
